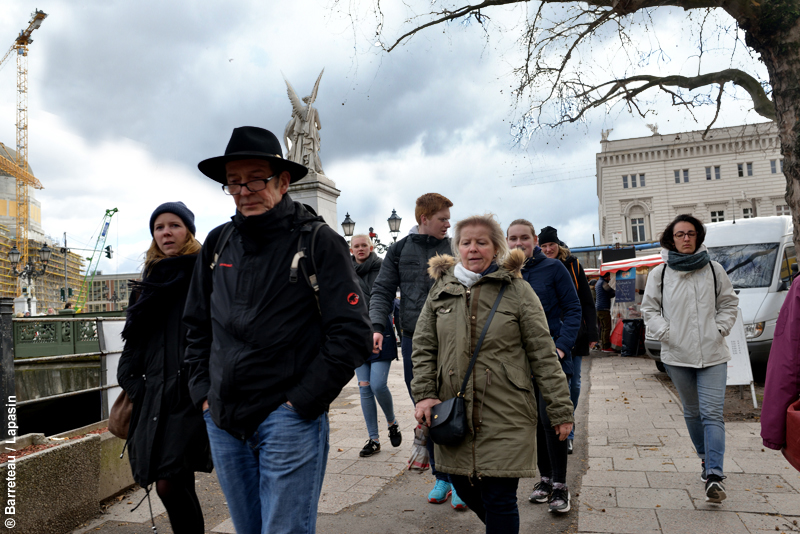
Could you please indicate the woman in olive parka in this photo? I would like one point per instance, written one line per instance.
(501, 408)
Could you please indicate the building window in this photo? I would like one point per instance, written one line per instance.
(717, 172)
(641, 180)
(773, 166)
(782, 210)
(677, 177)
(749, 169)
(637, 230)
(717, 216)
(740, 167)
(685, 175)
(708, 173)
(625, 181)
(633, 180)
(747, 213)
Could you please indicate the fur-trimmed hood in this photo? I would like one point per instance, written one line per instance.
(442, 263)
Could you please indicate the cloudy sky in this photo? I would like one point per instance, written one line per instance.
(127, 97)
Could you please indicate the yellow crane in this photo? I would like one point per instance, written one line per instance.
(20, 169)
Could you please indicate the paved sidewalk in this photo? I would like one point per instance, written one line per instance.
(644, 475)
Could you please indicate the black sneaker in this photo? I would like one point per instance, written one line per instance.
(703, 476)
(569, 446)
(715, 491)
(541, 492)
(559, 500)
(370, 448)
(394, 435)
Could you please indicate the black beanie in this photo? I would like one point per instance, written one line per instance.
(548, 235)
(179, 209)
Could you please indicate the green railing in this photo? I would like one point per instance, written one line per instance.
(57, 335)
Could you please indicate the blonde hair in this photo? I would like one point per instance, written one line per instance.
(563, 253)
(155, 255)
(488, 221)
(365, 236)
(522, 222)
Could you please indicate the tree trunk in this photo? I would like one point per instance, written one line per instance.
(775, 34)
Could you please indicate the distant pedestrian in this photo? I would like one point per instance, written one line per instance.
(68, 306)
(689, 306)
(587, 335)
(604, 294)
(277, 325)
(782, 387)
(500, 446)
(374, 373)
(405, 268)
(555, 289)
(167, 440)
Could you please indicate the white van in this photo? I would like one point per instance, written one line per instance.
(759, 257)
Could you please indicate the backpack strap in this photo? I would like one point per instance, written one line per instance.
(574, 274)
(305, 249)
(224, 236)
(398, 250)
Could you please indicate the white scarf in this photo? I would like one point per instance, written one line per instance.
(465, 276)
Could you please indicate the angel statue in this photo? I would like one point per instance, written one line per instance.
(301, 135)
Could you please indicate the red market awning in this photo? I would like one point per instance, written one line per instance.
(623, 265)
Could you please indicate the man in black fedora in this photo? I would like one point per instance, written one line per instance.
(277, 325)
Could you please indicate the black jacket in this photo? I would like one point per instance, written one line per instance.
(588, 331)
(257, 340)
(367, 272)
(410, 274)
(167, 433)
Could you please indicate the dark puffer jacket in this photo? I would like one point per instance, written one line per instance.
(367, 272)
(588, 331)
(167, 433)
(556, 291)
(257, 339)
(409, 272)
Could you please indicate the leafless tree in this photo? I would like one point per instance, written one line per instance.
(553, 81)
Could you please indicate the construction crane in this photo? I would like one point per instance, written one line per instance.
(94, 260)
(19, 169)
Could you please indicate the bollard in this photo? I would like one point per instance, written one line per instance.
(8, 397)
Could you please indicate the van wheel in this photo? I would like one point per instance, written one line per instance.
(660, 367)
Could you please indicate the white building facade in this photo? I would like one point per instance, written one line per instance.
(643, 183)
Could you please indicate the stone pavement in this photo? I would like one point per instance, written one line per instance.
(644, 475)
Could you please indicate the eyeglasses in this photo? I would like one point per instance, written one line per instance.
(253, 186)
(681, 235)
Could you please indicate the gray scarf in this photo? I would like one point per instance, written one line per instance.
(686, 262)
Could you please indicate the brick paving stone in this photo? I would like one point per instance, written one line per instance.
(598, 498)
(618, 521)
(737, 501)
(644, 464)
(612, 451)
(654, 498)
(700, 522)
(617, 479)
(784, 503)
(766, 522)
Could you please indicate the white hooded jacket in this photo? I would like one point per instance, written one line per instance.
(696, 316)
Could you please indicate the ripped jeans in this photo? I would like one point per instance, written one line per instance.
(375, 374)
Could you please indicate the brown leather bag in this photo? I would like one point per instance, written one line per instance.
(119, 419)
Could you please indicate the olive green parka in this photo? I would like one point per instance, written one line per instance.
(500, 404)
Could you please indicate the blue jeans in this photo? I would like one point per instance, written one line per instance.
(408, 371)
(273, 480)
(575, 387)
(494, 500)
(375, 375)
(702, 393)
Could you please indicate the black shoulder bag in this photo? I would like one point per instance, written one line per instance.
(449, 418)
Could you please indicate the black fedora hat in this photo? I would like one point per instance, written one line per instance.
(250, 142)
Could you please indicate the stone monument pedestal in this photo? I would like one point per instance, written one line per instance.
(21, 305)
(319, 192)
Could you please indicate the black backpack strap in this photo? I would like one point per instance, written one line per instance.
(398, 250)
(306, 248)
(224, 236)
(480, 340)
(713, 274)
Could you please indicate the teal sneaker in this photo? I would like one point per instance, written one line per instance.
(456, 502)
(440, 492)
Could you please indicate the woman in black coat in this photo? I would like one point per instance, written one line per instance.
(167, 440)
(373, 374)
(587, 335)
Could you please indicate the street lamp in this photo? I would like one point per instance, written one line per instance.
(349, 227)
(29, 271)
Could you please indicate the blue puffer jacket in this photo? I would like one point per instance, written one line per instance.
(603, 292)
(555, 289)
